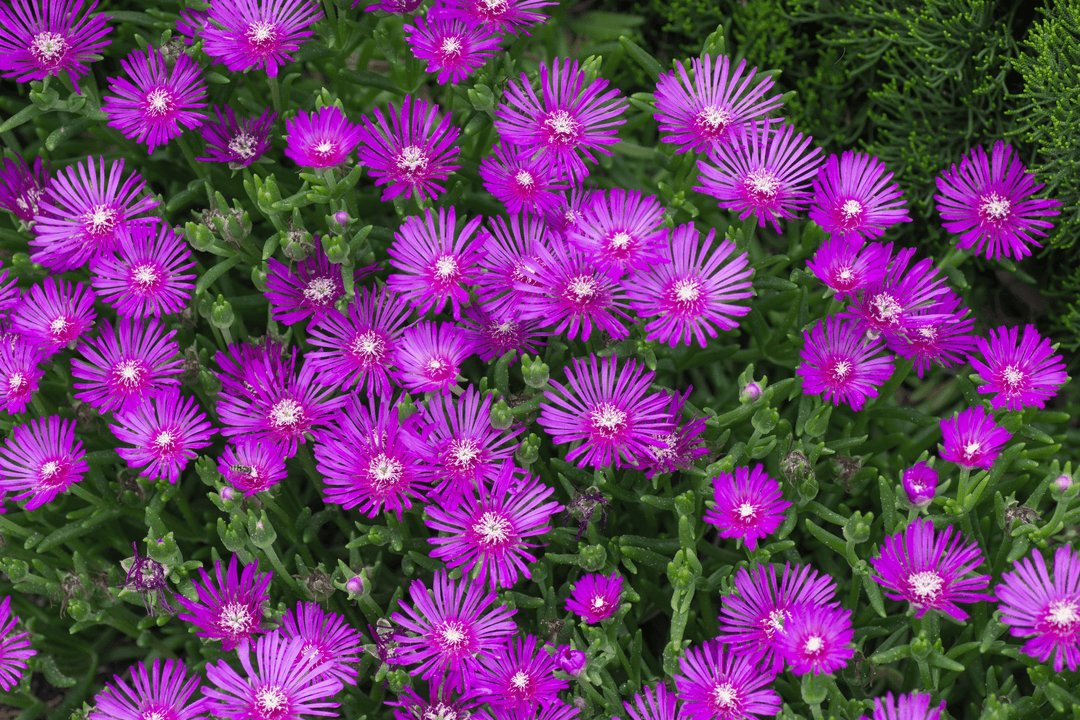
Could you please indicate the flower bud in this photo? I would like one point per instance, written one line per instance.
(750, 392)
(355, 585)
(221, 314)
(570, 661)
(857, 528)
(528, 451)
(535, 371)
(258, 277)
(501, 416)
(341, 217)
(765, 419)
(592, 558)
(920, 483)
(227, 493)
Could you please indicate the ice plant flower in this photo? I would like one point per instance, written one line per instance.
(989, 204)
(165, 431)
(14, 648)
(853, 199)
(569, 124)
(520, 180)
(763, 171)
(497, 16)
(682, 446)
(947, 342)
(331, 645)
(570, 661)
(927, 569)
(920, 483)
(19, 374)
(1022, 370)
(972, 439)
(705, 113)
(240, 363)
(519, 676)
(748, 505)
(246, 34)
(151, 106)
(692, 293)
(121, 367)
(231, 610)
(251, 466)
(595, 597)
(82, 211)
(1046, 610)
(147, 277)
(716, 683)
(657, 703)
(621, 231)
(571, 209)
(846, 266)
(915, 706)
(40, 460)
(165, 691)
(323, 139)
(308, 292)
(54, 314)
(237, 141)
(610, 408)
(509, 252)
(437, 260)
(438, 703)
(413, 152)
(818, 639)
(39, 38)
(752, 622)
(444, 635)
(493, 337)
(487, 527)
(841, 363)
(450, 47)
(430, 356)
(20, 189)
(899, 303)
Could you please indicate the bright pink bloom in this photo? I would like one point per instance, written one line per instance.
(164, 691)
(14, 648)
(451, 48)
(818, 639)
(658, 703)
(839, 363)
(853, 200)
(322, 139)
(40, 460)
(748, 505)
(250, 34)
(238, 141)
(621, 232)
(971, 439)
(920, 483)
(147, 278)
(682, 446)
(847, 266)
(493, 337)
(1046, 610)
(54, 314)
(716, 683)
(166, 431)
(521, 180)
(595, 597)
(430, 356)
(230, 611)
(331, 646)
(509, 251)
(39, 38)
(947, 342)
(1023, 371)
(251, 466)
(20, 189)
(308, 292)
(20, 372)
(505, 16)
(519, 677)
(120, 368)
(899, 303)
(915, 706)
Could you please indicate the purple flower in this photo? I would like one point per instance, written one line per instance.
(752, 623)
(39, 38)
(151, 106)
(20, 189)
(451, 48)
(14, 648)
(120, 368)
(367, 461)
(682, 446)
(438, 261)
(572, 207)
(148, 577)
(1022, 375)
(430, 356)
(248, 34)
(658, 703)
(40, 460)
(715, 683)
(971, 439)
(706, 113)
(166, 431)
(748, 505)
(608, 407)
(570, 661)
(570, 123)
(446, 633)
(239, 364)
(237, 141)
(230, 611)
(493, 337)
(19, 374)
(487, 527)
(80, 214)
(520, 180)
(838, 362)
(763, 171)
(988, 203)
(310, 291)
(509, 252)
(621, 231)
(817, 639)
(439, 703)
(497, 17)
(251, 466)
(330, 644)
(915, 706)
(147, 278)
(324, 138)
(54, 315)
(946, 342)
(1046, 610)
(690, 294)
(853, 200)
(595, 597)
(846, 267)
(164, 691)
(412, 153)
(191, 24)
(519, 677)
(892, 305)
(920, 483)
(926, 569)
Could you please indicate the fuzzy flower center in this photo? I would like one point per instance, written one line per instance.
(451, 47)
(442, 711)
(814, 645)
(61, 328)
(412, 162)
(287, 415)
(712, 120)
(492, 9)
(774, 622)
(439, 369)
(686, 294)
(519, 681)
(608, 421)
(453, 637)
(925, 586)
(525, 180)
(145, 278)
(762, 186)
(851, 213)
(746, 512)
(159, 102)
(492, 529)
(271, 702)
(582, 289)
(385, 471)
(369, 347)
(129, 375)
(53, 473)
(462, 456)
(235, 618)
(320, 291)
(839, 371)
(1063, 616)
(562, 128)
(970, 451)
(724, 697)
(166, 442)
(158, 712)
(262, 37)
(324, 150)
(994, 208)
(48, 48)
(1012, 378)
(100, 222)
(884, 308)
(17, 383)
(243, 145)
(445, 269)
(600, 605)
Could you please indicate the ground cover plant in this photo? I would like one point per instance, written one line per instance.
(475, 358)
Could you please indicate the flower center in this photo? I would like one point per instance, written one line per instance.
(48, 48)
(839, 371)
(525, 180)
(385, 470)
(492, 9)
(439, 369)
(562, 128)
(925, 586)
(851, 213)
(463, 455)
(100, 221)
(608, 421)
(814, 645)
(492, 529)
(724, 697)
(970, 451)
(774, 622)
(159, 102)
(235, 618)
(145, 277)
(747, 512)
(520, 681)
(1013, 379)
(166, 442)
(994, 209)
(320, 291)
(262, 37)
(324, 151)
(712, 120)
(129, 374)
(17, 383)
(582, 289)
(243, 145)
(1063, 616)
(60, 328)
(884, 308)
(453, 635)
(369, 347)
(600, 604)
(451, 47)
(53, 473)
(446, 268)
(271, 702)
(762, 186)
(412, 161)
(287, 415)
(685, 294)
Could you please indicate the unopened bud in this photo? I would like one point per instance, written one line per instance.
(501, 415)
(920, 483)
(221, 314)
(535, 371)
(750, 393)
(355, 585)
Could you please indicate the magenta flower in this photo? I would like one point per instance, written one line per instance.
(846, 266)
(763, 171)
(147, 278)
(81, 214)
(54, 314)
(595, 597)
(367, 461)
(237, 141)
(920, 483)
(926, 569)
(971, 439)
(230, 611)
(151, 106)
(752, 623)
(682, 446)
(839, 363)
(240, 364)
(19, 374)
(439, 263)
(165, 690)
(330, 644)
(947, 342)
(519, 677)
(508, 254)
(899, 303)
(14, 648)
(446, 633)
(690, 294)
(706, 113)
(248, 34)
(487, 527)
(40, 460)
(430, 356)
(609, 408)
(166, 431)
(324, 138)
(412, 153)
(493, 337)
(450, 47)
(358, 350)
(621, 231)
(1022, 375)
(310, 291)
(989, 204)
(120, 368)
(569, 124)
(505, 16)
(748, 505)
(818, 639)
(915, 706)
(715, 683)
(521, 180)
(39, 38)
(1046, 610)
(570, 661)
(440, 702)
(20, 189)
(252, 467)
(572, 207)
(658, 703)
(853, 199)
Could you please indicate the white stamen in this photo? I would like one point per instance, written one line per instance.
(492, 528)
(286, 413)
(243, 145)
(159, 101)
(320, 290)
(994, 208)
(925, 585)
(48, 47)
(446, 268)
(562, 127)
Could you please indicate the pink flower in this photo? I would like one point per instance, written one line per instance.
(818, 639)
(230, 611)
(20, 189)
(40, 460)
(595, 597)
(248, 34)
(54, 315)
(451, 48)
(308, 292)
(839, 363)
(521, 180)
(847, 266)
(748, 505)
(519, 677)
(971, 439)
(236, 140)
(251, 466)
(1043, 609)
(39, 38)
(430, 356)
(322, 139)
(1022, 370)
(166, 431)
(716, 683)
(122, 367)
(497, 17)
(147, 278)
(853, 200)
(621, 231)
(165, 690)
(510, 250)
(20, 372)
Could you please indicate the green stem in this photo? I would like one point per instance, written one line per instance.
(275, 94)
(189, 154)
(962, 488)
